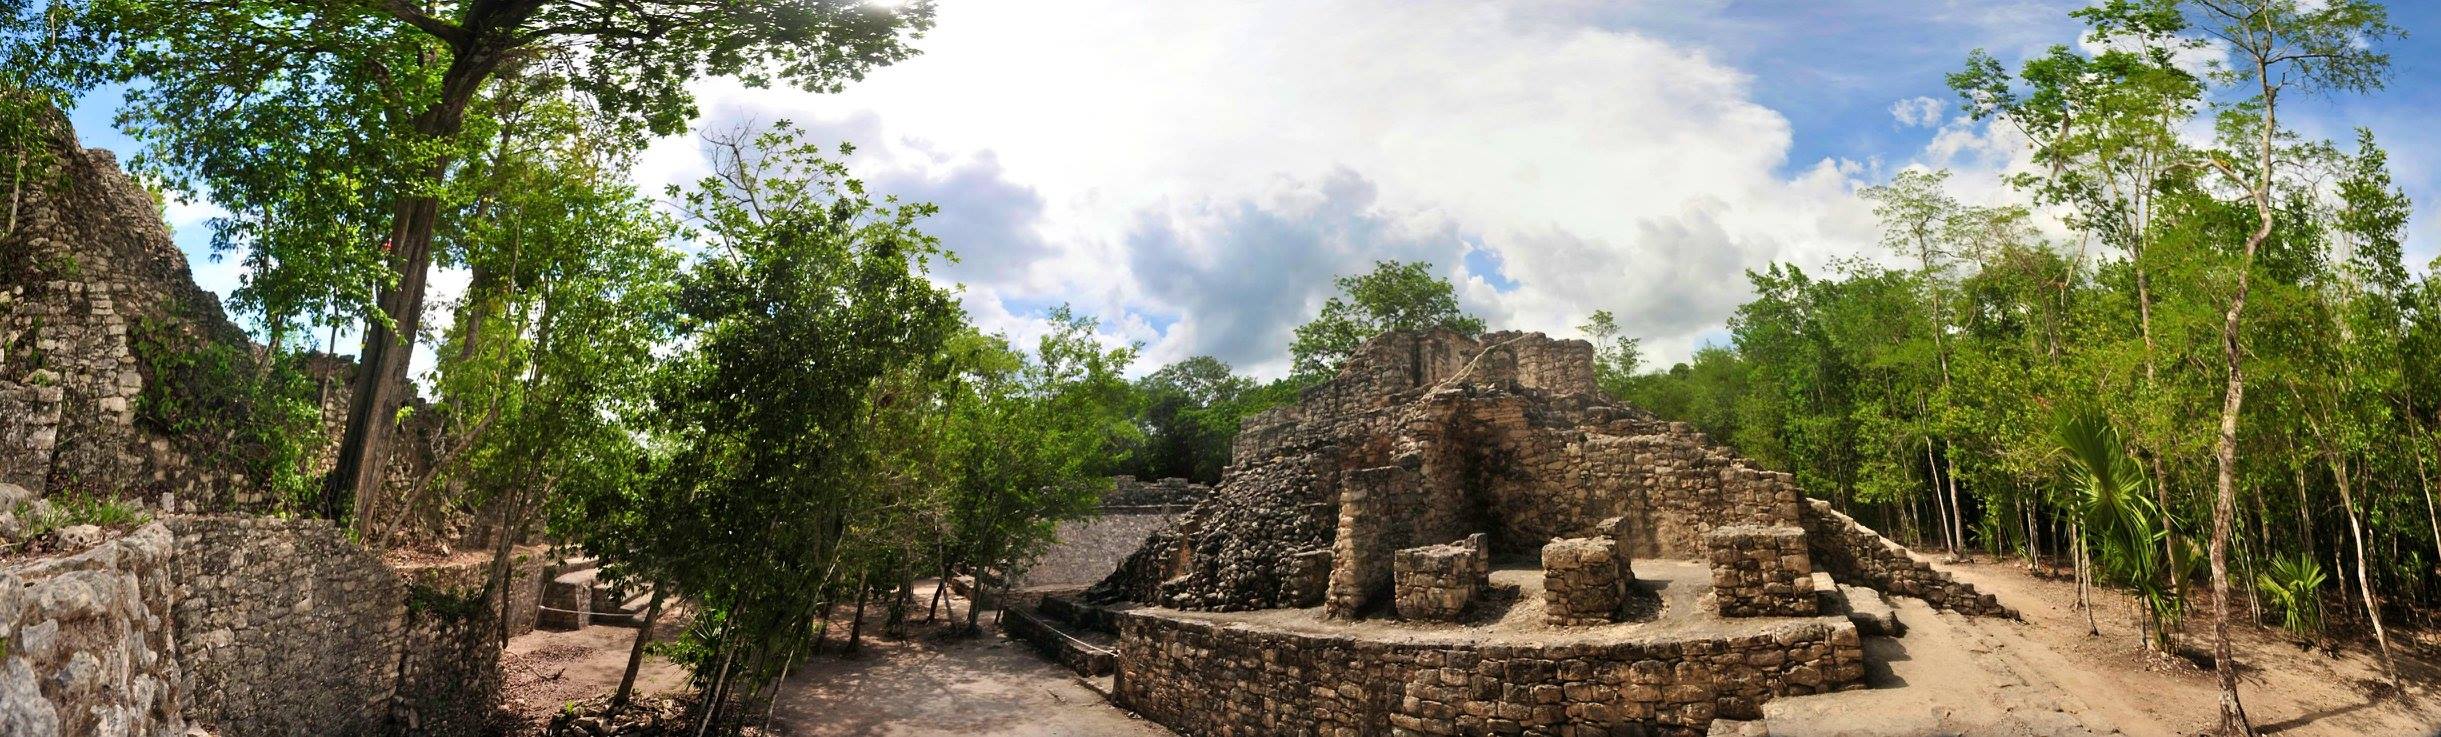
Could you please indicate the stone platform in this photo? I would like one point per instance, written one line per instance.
(1294, 671)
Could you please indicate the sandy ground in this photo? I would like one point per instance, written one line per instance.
(546, 670)
(1953, 675)
(934, 685)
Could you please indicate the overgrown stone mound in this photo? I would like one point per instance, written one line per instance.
(1426, 438)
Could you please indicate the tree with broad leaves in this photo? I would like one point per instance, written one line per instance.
(1393, 296)
(240, 101)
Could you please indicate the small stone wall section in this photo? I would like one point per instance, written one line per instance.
(1581, 582)
(286, 628)
(1440, 582)
(1211, 679)
(1857, 556)
(1761, 572)
(85, 643)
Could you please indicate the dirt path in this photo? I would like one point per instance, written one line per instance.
(934, 685)
(1953, 675)
(546, 670)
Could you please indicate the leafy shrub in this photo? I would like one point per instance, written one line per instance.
(2290, 584)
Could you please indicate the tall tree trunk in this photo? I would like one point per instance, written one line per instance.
(381, 368)
(635, 652)
(2034, 553)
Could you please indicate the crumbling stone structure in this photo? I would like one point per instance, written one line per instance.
(1761, 572)
(1127, 492)
(88, 648)
(1581, 581)
(1088, 548)
(1344, 501)
(100, 318)
(1439, 582)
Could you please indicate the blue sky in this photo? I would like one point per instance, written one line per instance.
(1195, 175)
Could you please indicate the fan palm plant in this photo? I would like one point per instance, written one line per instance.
(2290, 584)
(2107, 490)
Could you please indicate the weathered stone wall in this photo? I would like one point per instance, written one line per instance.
(86, 646)
(1761, 572)
(1439, 582)
(1857, 556)
(99, 315)
(1215, 679)
(1582, 583)
(247, 626)
(286, 628)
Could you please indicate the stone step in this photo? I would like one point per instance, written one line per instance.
(1872, 614)
(1067, 648)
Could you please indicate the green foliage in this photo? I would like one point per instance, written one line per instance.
(255, 412)
(1189, 412)
(2292, 586)
(1616, 357)
(1393, 296)
(813, 337)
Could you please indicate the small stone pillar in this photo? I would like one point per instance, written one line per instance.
(1581, 582)
(1439, 582)
(1761, 572)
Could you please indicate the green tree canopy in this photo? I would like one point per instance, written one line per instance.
(1393, 296)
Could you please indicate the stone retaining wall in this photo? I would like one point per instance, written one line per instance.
(1215, 678)
(1857, 556)
(286, 627)
(244, 626)
(1761, 572)
(85, 645)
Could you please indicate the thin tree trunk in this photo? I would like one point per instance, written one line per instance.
(1932, 470)
(2034, 553)
(940, 588)
(2364, 580)
(635, 652)
(856, 628)
(2424, 480)
(1957, 512)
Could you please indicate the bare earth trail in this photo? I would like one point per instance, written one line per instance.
(929, 685)
(1953, 675)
